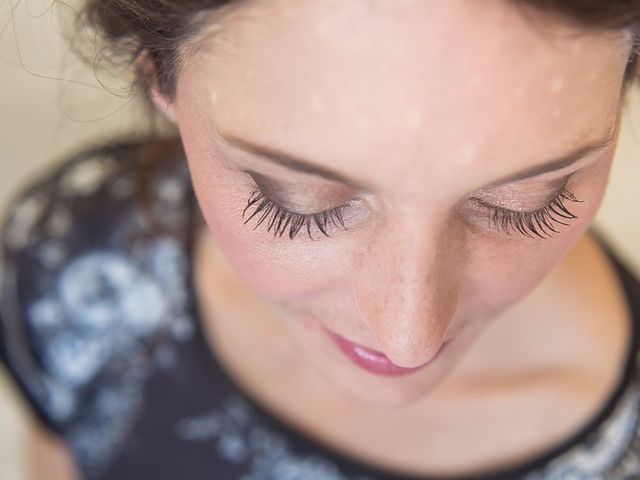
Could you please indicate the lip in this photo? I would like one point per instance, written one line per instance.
(373, 360)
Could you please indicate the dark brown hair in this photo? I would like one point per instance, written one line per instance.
(164, 27)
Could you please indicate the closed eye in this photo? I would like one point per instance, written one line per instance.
(542, 222)
(279, 220)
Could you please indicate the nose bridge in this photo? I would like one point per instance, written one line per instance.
(407, 290)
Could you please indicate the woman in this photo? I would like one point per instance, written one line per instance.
(384, 268)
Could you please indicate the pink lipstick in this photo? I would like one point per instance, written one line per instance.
(373, 360)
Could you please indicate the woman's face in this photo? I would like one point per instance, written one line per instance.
(431, 130)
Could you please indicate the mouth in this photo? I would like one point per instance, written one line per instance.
(375, 361)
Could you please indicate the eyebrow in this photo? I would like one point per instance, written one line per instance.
(558, 163)
(306, 166)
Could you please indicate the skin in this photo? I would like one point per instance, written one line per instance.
(425, 103)
(424, 130)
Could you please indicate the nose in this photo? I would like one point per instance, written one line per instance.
(407, 290)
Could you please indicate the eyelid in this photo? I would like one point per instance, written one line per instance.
(555, 176)
(250, 163)
(292, 197)
(283, 218)
(267, 178)
(322, 195)
(522, 198)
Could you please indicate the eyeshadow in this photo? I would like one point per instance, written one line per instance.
(301, 197)
(529, 195)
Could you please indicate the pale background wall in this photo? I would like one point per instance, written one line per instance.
(43, 119)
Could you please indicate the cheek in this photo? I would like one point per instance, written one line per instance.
(277, 268)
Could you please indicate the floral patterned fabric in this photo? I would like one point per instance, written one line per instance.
(100, 331)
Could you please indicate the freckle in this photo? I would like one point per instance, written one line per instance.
(359, 122)
(519, 90)
(215, 96)
(580, 46)
(414, 119)
(287, 12)
(556, 85)
(476, 81)
(468, 152)
(322, 28)
(315, 102)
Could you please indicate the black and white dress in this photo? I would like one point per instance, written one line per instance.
(100, 331)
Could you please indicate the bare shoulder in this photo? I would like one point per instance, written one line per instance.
(46, 456)
(27, 449)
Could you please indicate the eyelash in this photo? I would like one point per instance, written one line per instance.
(281, 218)
(536, 222)
(529, 224)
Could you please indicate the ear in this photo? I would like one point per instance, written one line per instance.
(148, 68)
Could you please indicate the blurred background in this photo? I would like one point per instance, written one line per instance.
(52, 105)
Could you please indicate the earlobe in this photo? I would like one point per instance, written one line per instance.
(147, 67)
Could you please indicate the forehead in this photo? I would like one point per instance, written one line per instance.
(407, 85)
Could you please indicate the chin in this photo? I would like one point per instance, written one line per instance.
(393, 396)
